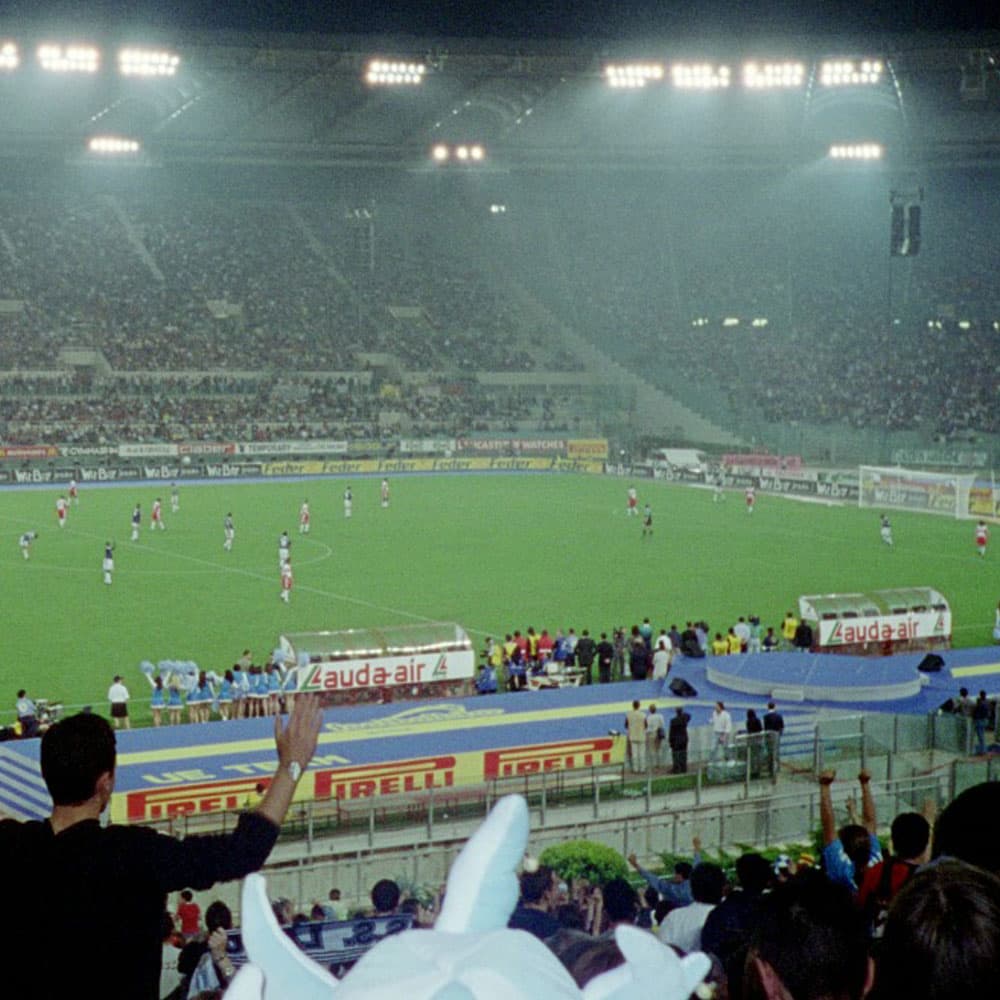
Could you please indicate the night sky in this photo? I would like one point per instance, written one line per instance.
(610, 20)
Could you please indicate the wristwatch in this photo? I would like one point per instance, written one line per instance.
(294, 770)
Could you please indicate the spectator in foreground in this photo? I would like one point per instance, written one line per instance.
(677, 889)
(849, 851)
(682, 927)
(385, 897)
(809, 943)
(964, 830)
(621, 903)
(113, 880)
(728, 927)
(942, 936)
(881, 883)
(533, 911)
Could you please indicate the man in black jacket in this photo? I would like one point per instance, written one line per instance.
(605, 657)
(586, 650)
(91, 898)
(677, 737)
(774, 726)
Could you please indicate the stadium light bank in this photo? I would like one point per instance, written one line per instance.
(394, 73)
(69, 58)
(857, 151)
(10, 56)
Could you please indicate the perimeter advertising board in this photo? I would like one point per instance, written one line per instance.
(387, 671)
(213, 789)
(886, 628)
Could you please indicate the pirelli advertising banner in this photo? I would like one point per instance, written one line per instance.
(390, 466)
(367, 751)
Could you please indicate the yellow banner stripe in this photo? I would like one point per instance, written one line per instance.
(354, 731)
(981, 671)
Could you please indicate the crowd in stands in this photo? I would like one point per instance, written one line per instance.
(866, 918)
(201, 283)
(197, 283)
(107, 410)
(815, 266)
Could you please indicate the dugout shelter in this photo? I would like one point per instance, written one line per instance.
(391, 663)
(878, 622)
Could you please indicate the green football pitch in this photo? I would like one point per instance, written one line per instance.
(491, 552)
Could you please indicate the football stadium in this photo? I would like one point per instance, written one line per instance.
(479, 395)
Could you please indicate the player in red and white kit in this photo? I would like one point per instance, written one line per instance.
(304, 518)
(286, 581)
(61, 511)
(74, 492)
(982, 537)
(156, 516)
(751, 499)
(632, 502)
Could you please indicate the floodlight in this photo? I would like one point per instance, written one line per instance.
(497, 209)
(440, 153)
(964, 324)
(394, 72)
(850, 72)
(477, 153)
(731, 321)
(462, 152)
(69, 58)
(147, 62)
(856, 151)
(632, 76)
(771, 76)
(112, 145)
(699, 76)
(9, 56)
(759, 323)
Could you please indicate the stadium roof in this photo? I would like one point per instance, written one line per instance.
(304, 100)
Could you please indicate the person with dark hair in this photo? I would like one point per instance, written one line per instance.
(584, 653)
(585, 956)
(27, 715)
(964, 831)
(678, 740)
(755, 744)
(214, 969)
(774, 726)
(385, 897)
(682, 927)
(727, 928)
(808, 943)
(620, 903)
(112, 881)
(677, 889)
(911, 848)
(942, 936)
(849, 851)
(605, 658)
(188, 916)
(981, 721)
(533, 911)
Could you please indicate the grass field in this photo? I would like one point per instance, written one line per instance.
(493, 553)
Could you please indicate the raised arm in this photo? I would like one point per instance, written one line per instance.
(826, 780)
(867, 803)
(295, 743)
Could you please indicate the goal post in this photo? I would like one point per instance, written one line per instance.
(896, 488)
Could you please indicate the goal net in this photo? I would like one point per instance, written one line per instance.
(913, 489)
